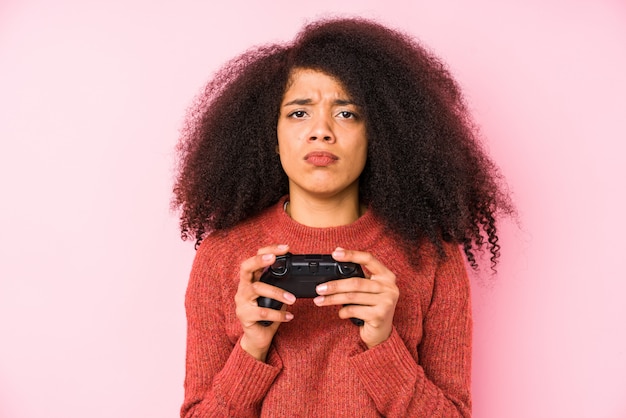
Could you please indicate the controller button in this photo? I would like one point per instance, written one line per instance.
(346, 268)
(279, 267)
(313, 266)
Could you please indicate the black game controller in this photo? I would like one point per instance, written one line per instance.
(300, 274)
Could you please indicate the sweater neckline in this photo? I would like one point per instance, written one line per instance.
(358, 235)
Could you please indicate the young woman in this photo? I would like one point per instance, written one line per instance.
(354, 141)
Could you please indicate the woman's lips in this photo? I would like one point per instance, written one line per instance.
(320, 158)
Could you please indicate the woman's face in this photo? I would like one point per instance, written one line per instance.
(321, 136)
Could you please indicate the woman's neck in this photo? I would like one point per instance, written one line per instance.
(324, 213)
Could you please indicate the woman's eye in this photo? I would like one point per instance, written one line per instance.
(346, 114)
(297, 114)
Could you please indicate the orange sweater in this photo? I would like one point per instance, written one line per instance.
(317, 365)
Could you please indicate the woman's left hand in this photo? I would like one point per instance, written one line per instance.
(373, 301)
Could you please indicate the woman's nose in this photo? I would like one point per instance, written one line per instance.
(322, 130)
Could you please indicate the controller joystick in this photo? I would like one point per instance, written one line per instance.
(300, 274)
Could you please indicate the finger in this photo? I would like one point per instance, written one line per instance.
(378, 271)
(272, 315)
(248, 274)
(272, 292)
(250, 316)
(265, 257)
(249, 291)
(349, 298)
(372, 317)
(364, 313)
(353, 285)
(278, 249)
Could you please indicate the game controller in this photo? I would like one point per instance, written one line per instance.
(300, 274)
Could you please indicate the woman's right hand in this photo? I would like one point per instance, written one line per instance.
(256, 338)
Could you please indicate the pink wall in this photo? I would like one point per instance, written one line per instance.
(92, 273)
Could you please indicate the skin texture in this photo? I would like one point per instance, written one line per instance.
(323, 148)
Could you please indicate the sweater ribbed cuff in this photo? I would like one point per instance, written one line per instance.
(253, 378)
(387, 370)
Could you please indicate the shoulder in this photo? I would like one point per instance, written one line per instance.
(233, 244)
(451, 280)
(441, 269)
(447, 259)
(217, 260)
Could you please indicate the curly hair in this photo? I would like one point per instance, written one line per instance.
(426, 176)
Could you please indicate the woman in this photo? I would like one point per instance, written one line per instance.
(354, 141)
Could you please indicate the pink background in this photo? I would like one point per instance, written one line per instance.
(93, 274)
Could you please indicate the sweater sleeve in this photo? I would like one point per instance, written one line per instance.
(221, 379)
(439, 384)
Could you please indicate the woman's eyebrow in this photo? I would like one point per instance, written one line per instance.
(299, 102)
(302, 102)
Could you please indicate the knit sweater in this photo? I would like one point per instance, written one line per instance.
(317, 365)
